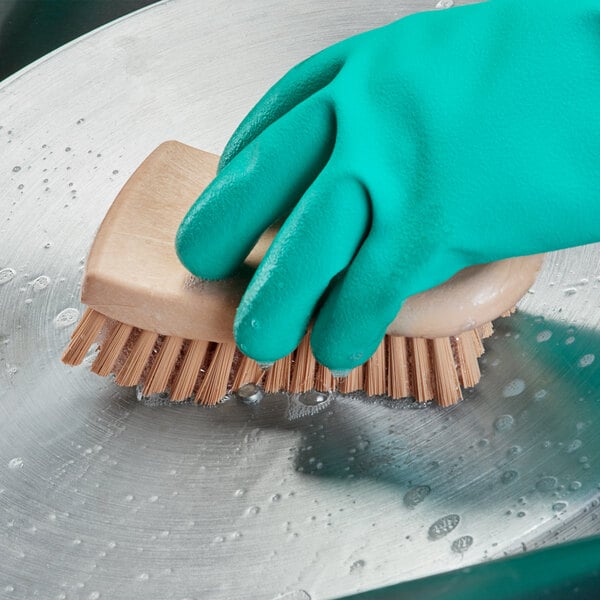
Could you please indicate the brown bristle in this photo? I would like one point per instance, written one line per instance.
(303, 376)
(398, 378)
(509, 312)
(163, 365)
(111, 348)
(248, 371)
(477, 343)
(485, 331)
(375, 372)
(466, 356)
(83, 337)
(189, 367)
(135, 363)
(214, 382)
(353, 382)
(400, 367)
(421, 371)
(324, 379)
(278, 375)
(447, 386)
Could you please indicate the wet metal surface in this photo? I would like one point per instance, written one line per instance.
(106, 496)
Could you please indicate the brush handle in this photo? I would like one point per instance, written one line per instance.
(133, 274)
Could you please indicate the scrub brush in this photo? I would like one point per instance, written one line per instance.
(158, 326)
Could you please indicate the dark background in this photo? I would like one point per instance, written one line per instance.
(31, 28)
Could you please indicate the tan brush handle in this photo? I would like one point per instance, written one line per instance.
(133, 274)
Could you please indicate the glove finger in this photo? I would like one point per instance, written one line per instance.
(354, 317)
(262, 184)
(316, 242)
(300, 83)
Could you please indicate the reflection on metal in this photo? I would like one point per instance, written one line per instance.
(105, 496)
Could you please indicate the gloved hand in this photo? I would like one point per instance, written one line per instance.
(398, 157)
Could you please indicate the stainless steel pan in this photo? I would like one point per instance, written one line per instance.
(106, 496)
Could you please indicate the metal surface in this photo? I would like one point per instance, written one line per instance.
(104, 496)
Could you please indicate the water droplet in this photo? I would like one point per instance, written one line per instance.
(16, 169)
(239, 493)
(514, 451)
(559, 506)
(586, 360)
(462, 544)
(307, 404)
(15, 463)
(443, 526)
(504, 423)
(275, 497)
(569, 340)
(9, 588)
(544, 336)
(143, 577)
(514, 388)
(416, 495)
(546, 484)
(66, 317)
(252, 511)
(575, 485)
(115, 172)
(68, 149)
(254, 324)
(40, 283)
(312, 398)
(570, 291)
(445, 4)
(357, 564)
(574, 446)
(250, 392)
(540, 394)
(94, 596)
(509, 476)
(6, 275)
(521, 514)
(152, 499)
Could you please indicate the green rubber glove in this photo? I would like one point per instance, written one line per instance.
(398, 157)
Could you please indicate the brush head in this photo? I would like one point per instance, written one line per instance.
(159, 326)
(133, 274)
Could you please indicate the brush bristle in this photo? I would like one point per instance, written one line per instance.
(206, 371)
(216, 377)
(84, 335)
